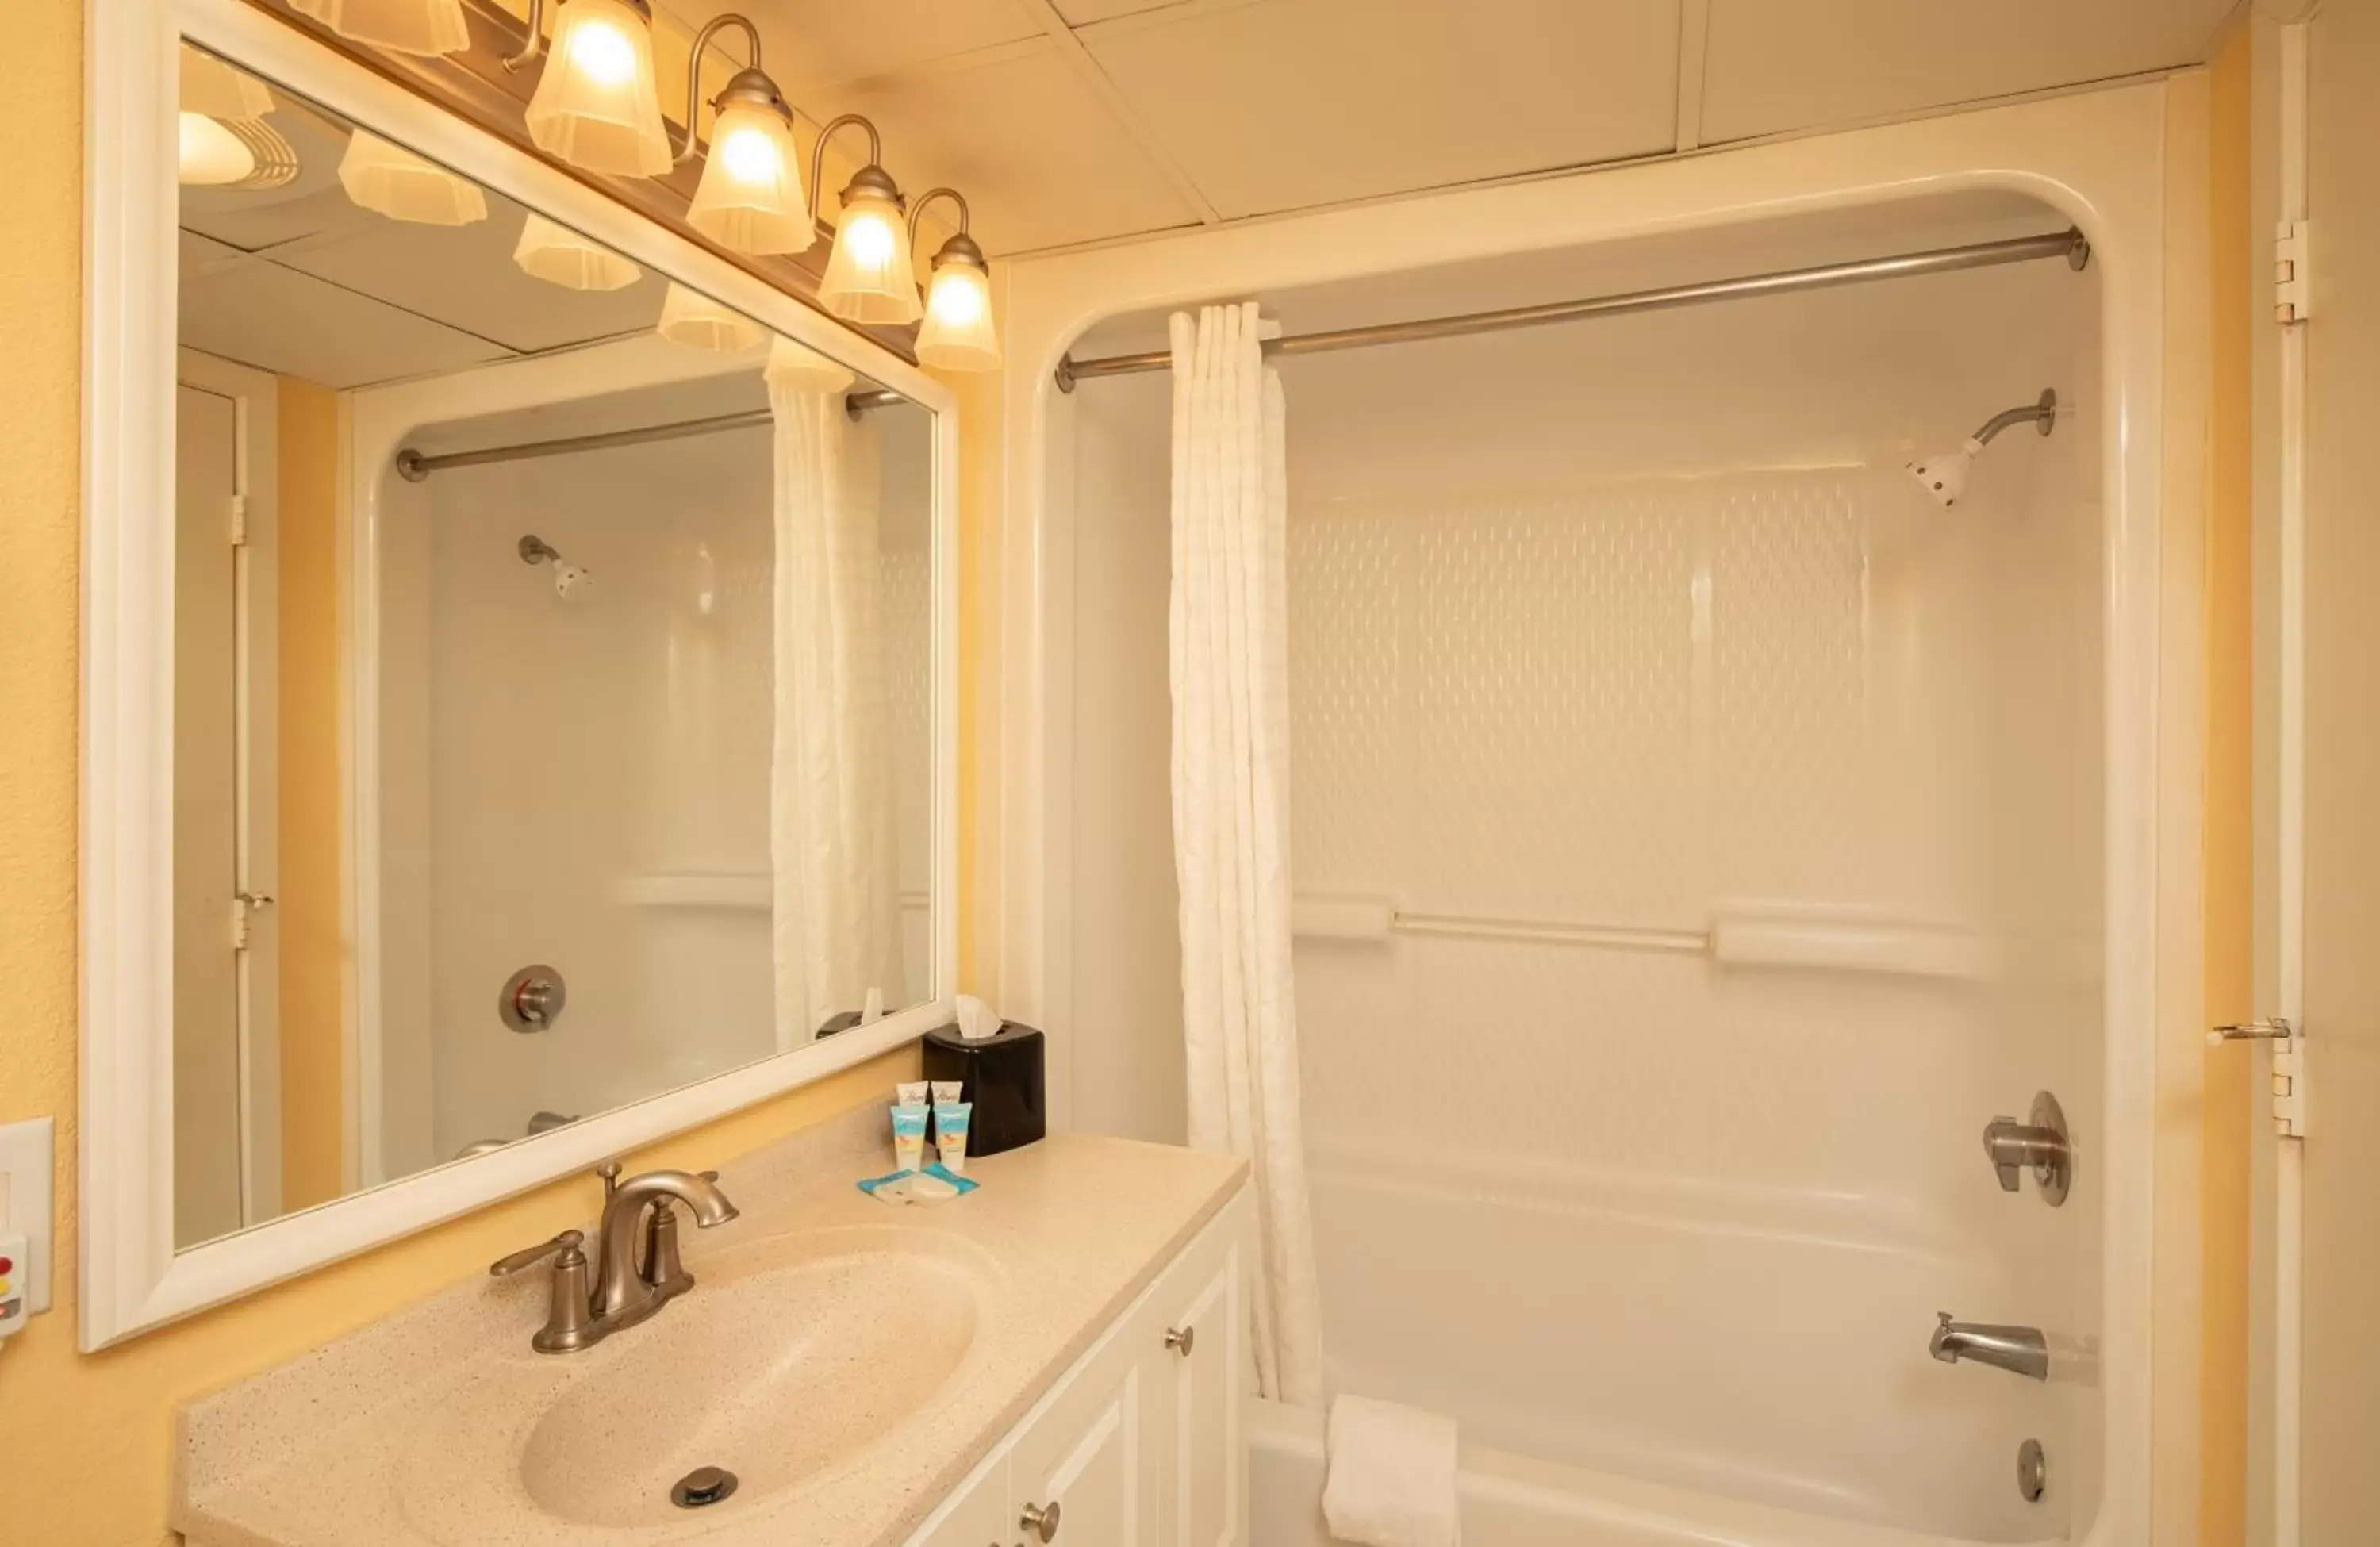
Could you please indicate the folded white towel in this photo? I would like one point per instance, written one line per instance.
(1391, 1476)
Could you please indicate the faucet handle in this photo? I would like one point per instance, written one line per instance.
(528, 1257)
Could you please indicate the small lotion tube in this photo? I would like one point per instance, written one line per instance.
(951, 1123)
(909, 1136)
(911, 1092)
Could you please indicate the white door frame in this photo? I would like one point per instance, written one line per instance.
(256, 729)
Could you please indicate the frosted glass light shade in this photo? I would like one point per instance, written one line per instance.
(596, 105)
(957, 333)
(218, 90)
(401, 186)
(210, 155)
(693, 319)
(561, 256)
(401, 26)
(751, 196)
(800, 367)
(869, 278)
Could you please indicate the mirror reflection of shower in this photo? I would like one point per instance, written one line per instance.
(1944, 477)
(567, 577)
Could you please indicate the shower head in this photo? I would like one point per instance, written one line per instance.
(567, 577)
(1944, 477)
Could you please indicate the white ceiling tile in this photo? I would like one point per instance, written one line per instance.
(813, 41)
(1027, 138)
(1294, 102)
(260, 314)
(465, 276)
(1779, 65)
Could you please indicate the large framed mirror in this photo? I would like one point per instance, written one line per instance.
(519, 676)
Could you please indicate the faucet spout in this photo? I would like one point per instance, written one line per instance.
(2020, 1350)
(621, 1291)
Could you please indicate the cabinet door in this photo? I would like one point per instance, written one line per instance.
(978, 1515)
(1206, 1475)
(1087, 1461)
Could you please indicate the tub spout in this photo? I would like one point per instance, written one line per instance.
(2020, 1350)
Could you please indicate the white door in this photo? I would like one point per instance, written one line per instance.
(226, 1059)
(1083, 1475)
(2315, 1393)
(1207, 1480)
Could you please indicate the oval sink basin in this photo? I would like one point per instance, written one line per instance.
(787, 1357)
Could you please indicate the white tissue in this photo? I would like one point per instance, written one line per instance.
(873, 1009)
(977, 1019)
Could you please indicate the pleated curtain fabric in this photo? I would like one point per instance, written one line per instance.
(1229, 633)
(836, 895)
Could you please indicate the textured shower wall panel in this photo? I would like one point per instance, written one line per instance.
(1623, 707)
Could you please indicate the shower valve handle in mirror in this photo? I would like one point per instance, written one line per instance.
(1040, 1521)
(2278, 1028)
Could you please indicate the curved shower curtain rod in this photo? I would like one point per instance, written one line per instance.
(2068, 244)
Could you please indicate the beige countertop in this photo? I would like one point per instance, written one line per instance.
(412, 1432)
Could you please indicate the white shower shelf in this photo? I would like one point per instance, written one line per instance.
(1803, 935)
(728, 890)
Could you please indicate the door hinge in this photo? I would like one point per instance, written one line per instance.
(239, 521)
(2289, 1094)
(2293, 272)
(244, 906)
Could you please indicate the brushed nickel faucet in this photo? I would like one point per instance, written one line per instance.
(636, 1268)
(2020, 1350)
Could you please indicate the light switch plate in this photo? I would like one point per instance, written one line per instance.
(27, 1200)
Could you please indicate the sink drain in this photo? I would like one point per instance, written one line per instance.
(704, 1485)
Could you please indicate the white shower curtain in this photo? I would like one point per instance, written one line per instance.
(837, 898)
(1229, 622)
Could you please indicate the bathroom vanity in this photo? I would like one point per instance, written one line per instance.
(1055, 1358)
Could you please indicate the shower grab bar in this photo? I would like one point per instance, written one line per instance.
(2069, 245)
(1744, 935)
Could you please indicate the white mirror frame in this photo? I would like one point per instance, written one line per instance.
(132, 1279)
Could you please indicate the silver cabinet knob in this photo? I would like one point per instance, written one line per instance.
(1041, 1520)
(1182, 1339)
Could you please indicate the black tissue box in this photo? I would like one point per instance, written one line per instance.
(1002, 1075)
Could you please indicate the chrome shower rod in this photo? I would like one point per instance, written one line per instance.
(413, 465)
(2069, 245)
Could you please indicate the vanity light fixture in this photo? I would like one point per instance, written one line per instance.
(223, 139)
(393, 181)
(693, 319)
(560, 256)
(751, 196)
(957, 333)
(425, 27)
(870, 277)
(598, 105)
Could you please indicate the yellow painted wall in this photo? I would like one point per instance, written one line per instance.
(312, 954)
(2229, 852)
(105, 1421)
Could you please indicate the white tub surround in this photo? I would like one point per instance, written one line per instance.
(441, 1426)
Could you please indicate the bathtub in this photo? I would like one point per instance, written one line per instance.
(1638, 1360)
(1514, 1501)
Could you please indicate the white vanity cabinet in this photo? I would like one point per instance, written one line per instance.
(1139, 1443)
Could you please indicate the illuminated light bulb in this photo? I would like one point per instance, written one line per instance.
(693, 319)
(751, 196)
(597, 105)
(425, 27)
(395, 182)
(604, 53)
(869, 278)
(958, 334)
(561, 256)
(210, 155)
